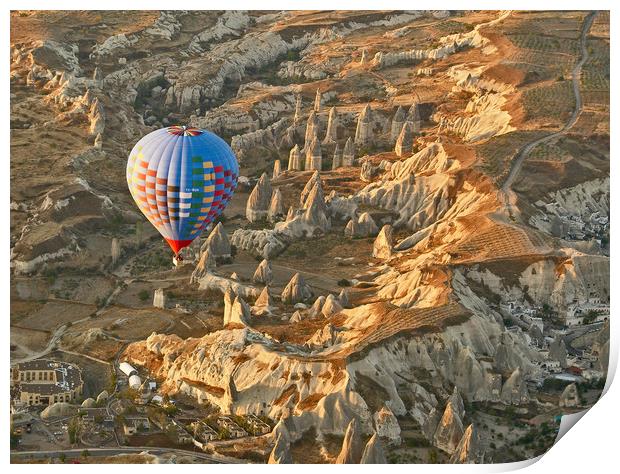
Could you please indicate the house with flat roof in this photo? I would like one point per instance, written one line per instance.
(44, 381)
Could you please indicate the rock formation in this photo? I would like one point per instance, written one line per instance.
(159, 298)
(348, 154)
(386, 425)
(115, 251)
(317, 101)
(277, 169)
(206, 263)
(296, 291)
(363, 226)
(259, 200)
(373, 452)
(449, 430)
(57, 410)
(217, 244)
(413, 117)
(297, 116)
(397, 123)
(331, 134)
(384, 243)
(280, 454)
(276, 207)
(331, 306)
(294, 159)
(264, 304)
(363, 131)
(352, 445)
(239, 314)
(570, 397)
(337, 160)
(404, 143)
(557, 351)
(343, 297)
(468, 450)
(314, 156)
(263, 273)
(311, 130)
(514, 391)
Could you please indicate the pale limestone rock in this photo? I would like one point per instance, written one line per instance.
(98, 143)
(239, 313)
(316, 307)
(368, 171)
(323, 338)
(449, 430)
(570, 397)
(363, 226)
(363, 131)
(294, 159)
(290, 215)
(332, 127)
(159, 298)
(311, 130)
(297, 116)
(514, 391)
(331, 306)
(364, 58)
(337, 160)
(229, 298)
(315, 180)
(413, 117)
(264, 304)
(557, 351)
(352, 445)
(115, 251)
(386, 425)
(277, 169)
(348, 154)
(315, 157)
(384, 243)
(373, 452)
(468, 450)
(296, 291)
(234, 276)
(397, 123)
(217, 243)
(317, 101)
(259, 200)
(205, 265)
(343, 298)
(296, 317)
(404, 143)
(263, 273)
(276, 207)
(280, 454)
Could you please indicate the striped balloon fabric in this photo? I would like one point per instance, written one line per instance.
(181, 178)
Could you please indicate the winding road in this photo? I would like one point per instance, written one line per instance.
(507, 195)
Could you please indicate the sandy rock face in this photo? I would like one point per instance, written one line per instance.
(352, 445)
(364, 226)
(348, 154)
(468, 450)
(570, 397)
(296, 291)
(387, 426)
(159, 298)
(384, 243)
(263, 273)
(404, 143)
(514, 391)
(373, 452)
(218, 243)
(449, 430)
(258, 203)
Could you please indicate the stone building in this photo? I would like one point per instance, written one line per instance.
(43, 382)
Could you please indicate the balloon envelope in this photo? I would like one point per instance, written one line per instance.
(181, 179)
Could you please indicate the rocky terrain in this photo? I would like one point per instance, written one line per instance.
(422, 216)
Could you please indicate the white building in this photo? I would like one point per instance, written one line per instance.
(127, 369)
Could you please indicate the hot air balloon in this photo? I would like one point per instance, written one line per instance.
(181, 178)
